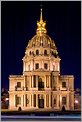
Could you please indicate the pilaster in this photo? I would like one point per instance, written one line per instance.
(45, 101)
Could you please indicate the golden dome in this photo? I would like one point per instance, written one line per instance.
(44, 40)
(41, 38)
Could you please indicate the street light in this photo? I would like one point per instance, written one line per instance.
(76, 101)
(6, 99)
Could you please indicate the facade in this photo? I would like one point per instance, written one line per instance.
(41, 86)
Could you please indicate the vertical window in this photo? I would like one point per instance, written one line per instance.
(54, 101)
(45, 66)
(45, 52)
(15, 100)
(19, 84)
(34, 100)
(37, 66)
(63, 84)
(30, 53)
(25, 99)
(64, 100)
(34, 80)
(37, 52)
(18, 100)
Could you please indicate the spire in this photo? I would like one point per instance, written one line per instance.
(41, 25)
(41, 15)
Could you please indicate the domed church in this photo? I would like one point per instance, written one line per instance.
(41, 86)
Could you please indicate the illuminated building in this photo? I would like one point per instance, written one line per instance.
(41, 86)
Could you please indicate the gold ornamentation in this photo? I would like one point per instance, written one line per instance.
(41, 25)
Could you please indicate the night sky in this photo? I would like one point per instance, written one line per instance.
(18, 26)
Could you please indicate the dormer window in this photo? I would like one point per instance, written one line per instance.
(37, 52)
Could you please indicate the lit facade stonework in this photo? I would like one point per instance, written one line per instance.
(41, 86)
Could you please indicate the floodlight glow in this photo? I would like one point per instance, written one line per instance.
(76, 101)
(6, 99)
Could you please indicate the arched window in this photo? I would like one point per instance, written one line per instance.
(45, 66)
(45, 52)
(37, 52)
(37, 66)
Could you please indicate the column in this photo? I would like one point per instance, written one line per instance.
(67, 101)
(49, 100)
(23, 66)
(58, 100)
(45, 81)
(14, 100)
(30, 101)
(22, 100)
(51, 66)
(68, 85)
(58, 86)
(31, 65)
(37, 100)
(72, 101)
(32, 80)
(24, 81)
(45, 101)
(49, 82)
(42, 64)
(37, 81)
(59, 66)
